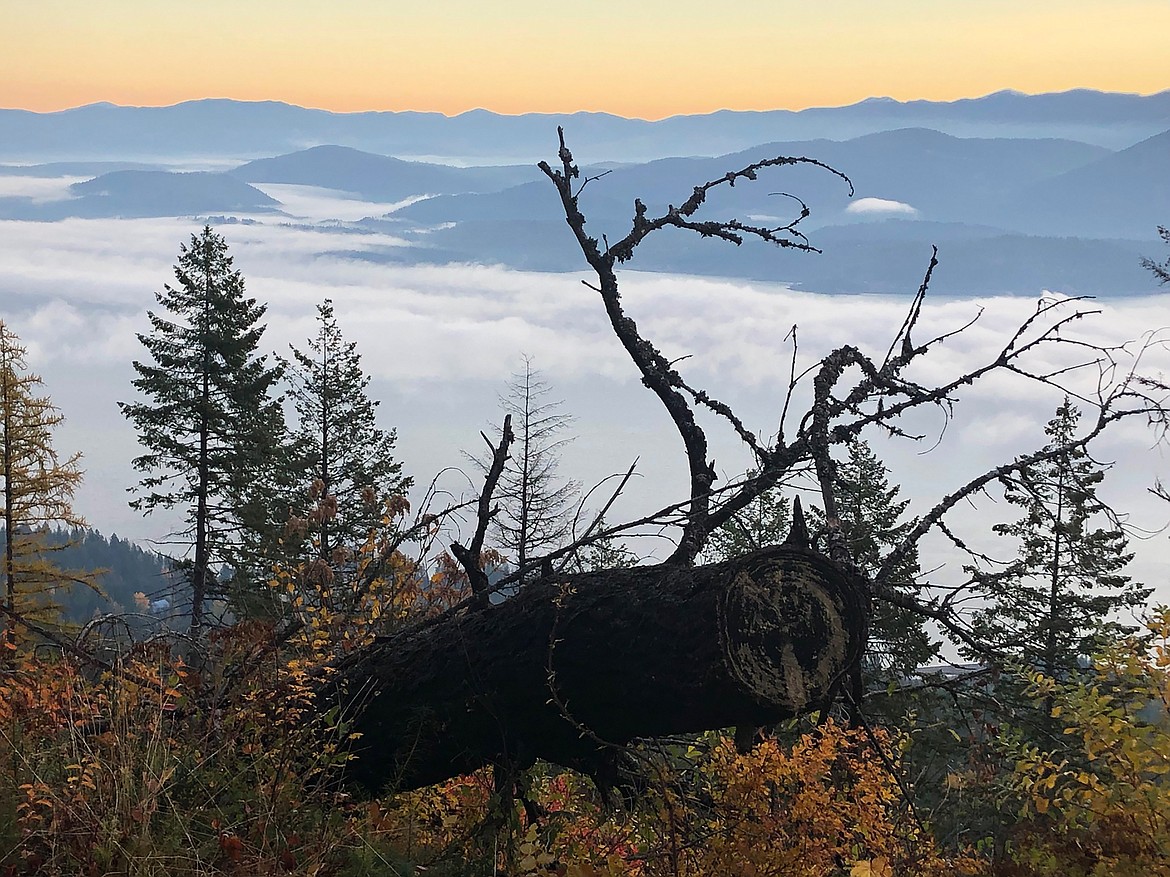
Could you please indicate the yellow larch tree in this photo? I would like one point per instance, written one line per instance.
(38, 493)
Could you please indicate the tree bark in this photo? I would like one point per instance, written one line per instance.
(574, 664)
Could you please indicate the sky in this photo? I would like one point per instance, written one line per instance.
(648, 59)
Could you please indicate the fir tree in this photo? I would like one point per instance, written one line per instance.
(342, 461)
(1053, 603)
(871, 524)
(212, 431)
(1161, 270)
(604, 553)
(762, 522)
(38, 492)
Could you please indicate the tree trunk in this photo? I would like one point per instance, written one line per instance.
(572, 664)
(8, 465)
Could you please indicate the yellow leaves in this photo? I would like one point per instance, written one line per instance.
(37, 805)
(1118, 719)
(397, 506)
(801, 811)
(957, 780)
(876, 867)
(532, 857)
(588, 869)
(341, 602)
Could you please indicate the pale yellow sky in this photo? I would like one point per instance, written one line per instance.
(648, 58)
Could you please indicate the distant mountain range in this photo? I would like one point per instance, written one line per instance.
(1011, 213)
(240, 130)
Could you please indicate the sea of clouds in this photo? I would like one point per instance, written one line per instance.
(440, 342)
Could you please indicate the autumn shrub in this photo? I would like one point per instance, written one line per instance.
(830, 804)
(157, 767)
(143, 771)
(1101, 806)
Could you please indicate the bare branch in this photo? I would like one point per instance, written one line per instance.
(732, 230)
(70, 648)
(1111, 410)
(791, 386)
(902, 339)
(585, 538)
(746, 435)
(469, 557)
(851, 392)
(658, 373)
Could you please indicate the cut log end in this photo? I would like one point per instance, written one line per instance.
(783, 635)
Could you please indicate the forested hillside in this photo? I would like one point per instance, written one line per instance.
(130, 577)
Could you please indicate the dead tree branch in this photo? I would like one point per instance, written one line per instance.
(469, 557)
(851, 392)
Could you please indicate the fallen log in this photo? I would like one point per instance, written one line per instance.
(575, 664)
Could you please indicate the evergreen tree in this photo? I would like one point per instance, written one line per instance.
(534, 500)
(605, 553)
(1161, 270)
(38, 491)
(212, 431)
(1053, 603)
(762, 522)
(870, 514)
(342, 461)
(128, 575)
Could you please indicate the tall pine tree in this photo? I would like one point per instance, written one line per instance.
(344, 471)
(212, 430)
(1053, 603)
(38, 492)
(871, 523)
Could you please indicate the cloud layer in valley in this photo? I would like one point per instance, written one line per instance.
(440, 341)
(38, 189)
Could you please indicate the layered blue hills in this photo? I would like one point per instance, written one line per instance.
(242, 130)
(1020, 192)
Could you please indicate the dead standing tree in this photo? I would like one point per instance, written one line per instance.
(578, 663)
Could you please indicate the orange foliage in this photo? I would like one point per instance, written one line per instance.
(828, 805)
(137, 772)
(157, 769)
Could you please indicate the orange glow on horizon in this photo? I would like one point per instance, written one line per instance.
(653, 59)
